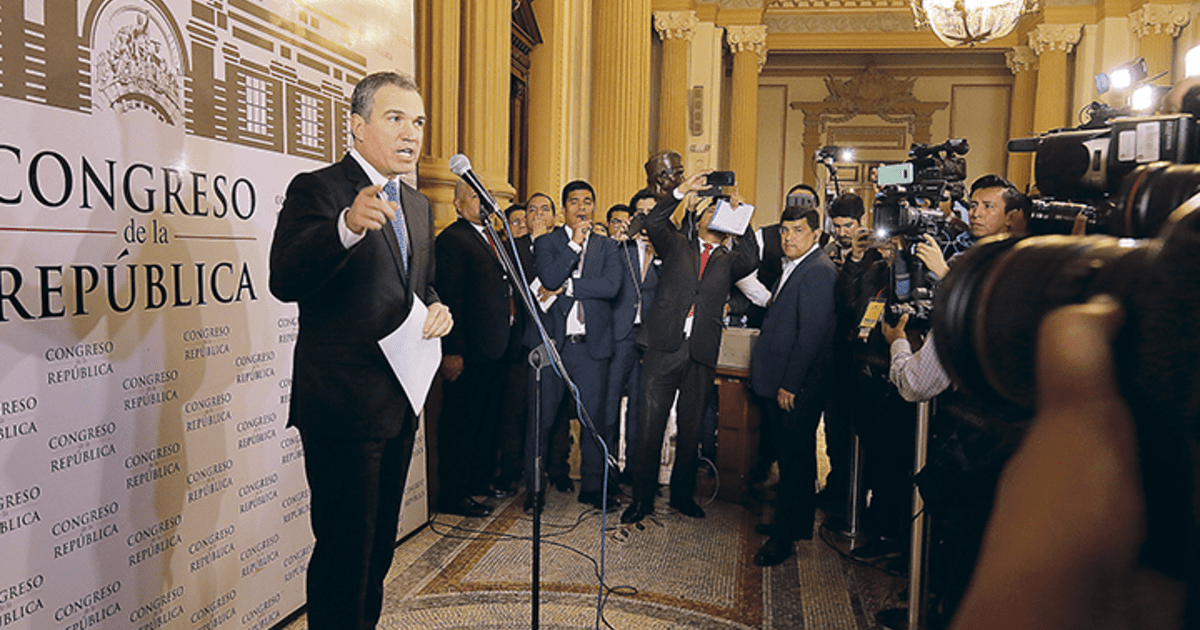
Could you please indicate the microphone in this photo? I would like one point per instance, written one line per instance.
(461, 166)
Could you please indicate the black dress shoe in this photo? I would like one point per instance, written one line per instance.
(637, 511)
(500, 492)
(464, 507)
(774, 551)
(563, 484)
(688, 508)
(878, 549)
(593, 499)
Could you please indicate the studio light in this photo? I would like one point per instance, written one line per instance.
(1122, 77)
(970, 22)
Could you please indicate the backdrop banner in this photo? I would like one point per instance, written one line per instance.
(147, 478)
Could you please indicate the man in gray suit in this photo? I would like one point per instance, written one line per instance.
(353, 246)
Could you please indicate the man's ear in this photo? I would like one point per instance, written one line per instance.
(356, 122)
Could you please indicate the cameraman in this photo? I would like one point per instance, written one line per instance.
(997, 207)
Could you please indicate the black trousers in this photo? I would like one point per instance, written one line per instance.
(356, 487)
(471, 410)
(794, 434)
(663, 374)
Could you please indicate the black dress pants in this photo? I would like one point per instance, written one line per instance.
(356, 487)
(471, 410)
(663, 374)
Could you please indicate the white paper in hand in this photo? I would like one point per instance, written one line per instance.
(542, 304)
(414, 359)
(728, 219)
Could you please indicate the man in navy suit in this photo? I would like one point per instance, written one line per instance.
(789, 367)
(682, 336)
(353, 246)
(639, 281)
(580, 322)
(473, 283)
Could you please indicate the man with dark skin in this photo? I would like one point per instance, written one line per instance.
(664, 172)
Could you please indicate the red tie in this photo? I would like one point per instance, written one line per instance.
(487, 236)
(704, 257)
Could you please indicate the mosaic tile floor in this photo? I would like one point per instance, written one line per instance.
(673, 572)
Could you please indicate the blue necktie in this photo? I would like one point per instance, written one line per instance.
(393, 195)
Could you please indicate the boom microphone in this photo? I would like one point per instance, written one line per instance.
(461, 166)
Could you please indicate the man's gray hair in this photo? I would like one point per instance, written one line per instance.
(364, 92)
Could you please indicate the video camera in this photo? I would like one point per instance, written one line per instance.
(907, 205)
(1087, 170)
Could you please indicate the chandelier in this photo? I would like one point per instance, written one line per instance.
(970, 22)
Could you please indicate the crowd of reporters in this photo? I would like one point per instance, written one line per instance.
(659, 292)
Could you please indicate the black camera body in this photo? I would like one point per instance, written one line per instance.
(1086, 170)
(907, 206)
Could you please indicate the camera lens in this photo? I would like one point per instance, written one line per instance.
(992, 302)
(1151, 193)
(988, 310)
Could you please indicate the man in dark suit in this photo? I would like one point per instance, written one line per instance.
(639, 281)
(585, 266)
(789, 367)
(682, 335)
(353, 246)
(473, 283)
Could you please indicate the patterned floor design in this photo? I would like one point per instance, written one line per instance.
(673, 572)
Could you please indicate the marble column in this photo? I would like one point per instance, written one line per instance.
(1052, 43)
(676, 29)
(485, 72)
(437, 26)
(1157, 26)
(1022, 61)
(749, 47)
(620, 124)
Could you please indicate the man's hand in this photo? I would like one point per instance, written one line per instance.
(696, 182)
(892, 333)
(452, 367)
(1079, 225)
(860, 243)
(931, 255)
(1063, 541)
(543, 293)
(580, 231)
(369, 212)
(438, 322)
(786, 399)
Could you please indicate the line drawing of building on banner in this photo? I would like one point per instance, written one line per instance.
(233, 70)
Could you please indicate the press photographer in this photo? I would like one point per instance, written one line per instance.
(1097, 333)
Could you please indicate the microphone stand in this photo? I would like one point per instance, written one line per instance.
(544, 355)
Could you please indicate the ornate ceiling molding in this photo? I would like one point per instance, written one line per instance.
(837, 4)
(1159, 19)
(876, 22)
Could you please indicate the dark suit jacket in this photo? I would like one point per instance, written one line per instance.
(472, 283)
(633, 286)
(349, 299)
(601, 280)
(795, 344)
(680, 286)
